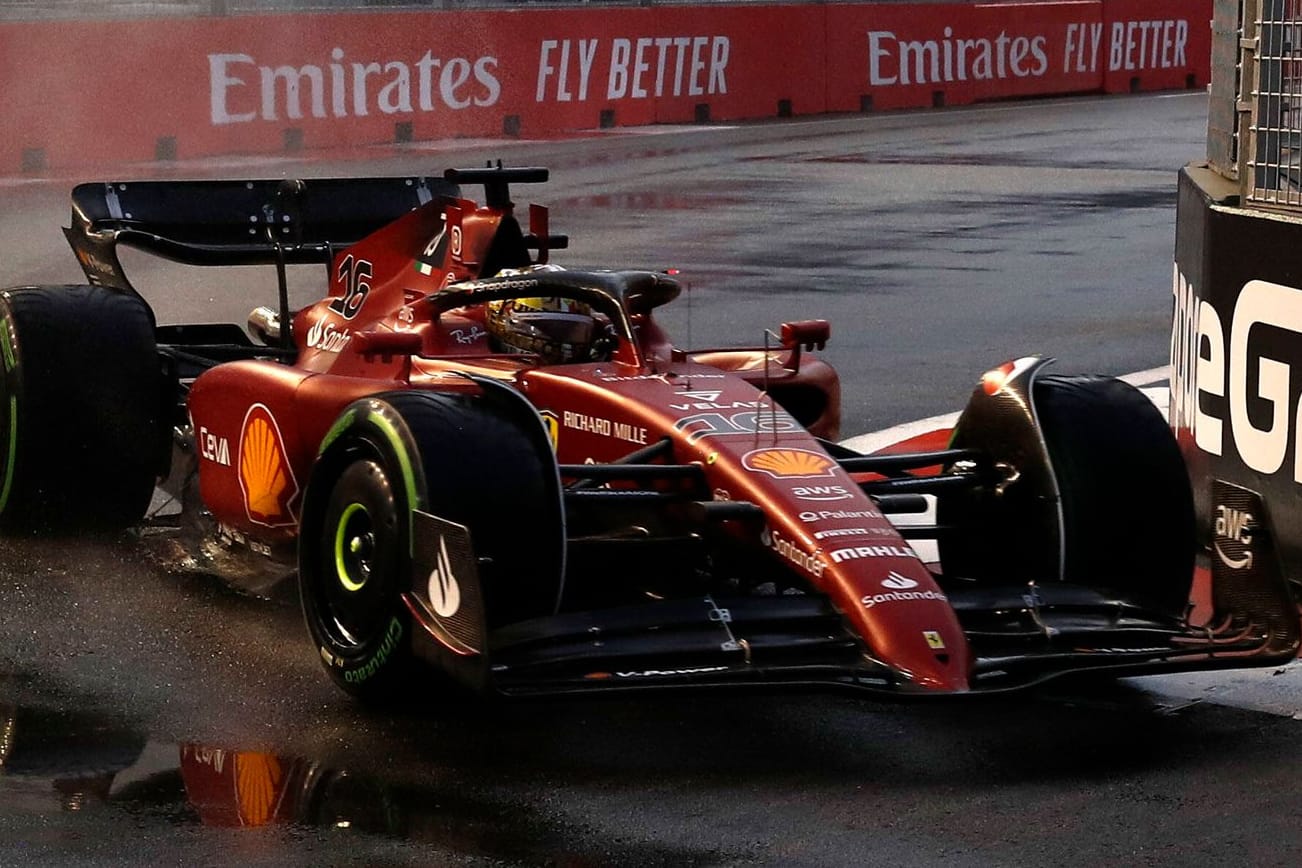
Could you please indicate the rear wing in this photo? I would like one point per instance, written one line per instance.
(236, 222)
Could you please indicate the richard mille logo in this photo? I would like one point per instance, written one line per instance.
(444, 591)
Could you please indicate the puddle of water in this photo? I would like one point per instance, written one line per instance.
(57, 764)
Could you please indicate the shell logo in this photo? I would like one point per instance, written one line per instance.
(258, 778)
(265, 476)
(788, 463)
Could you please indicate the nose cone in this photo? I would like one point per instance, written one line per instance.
(908, 623)
(933, 661)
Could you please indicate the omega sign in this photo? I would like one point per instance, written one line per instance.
(243, 89)
(1240, 382)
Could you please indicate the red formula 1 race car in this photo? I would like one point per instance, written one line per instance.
(484, 465)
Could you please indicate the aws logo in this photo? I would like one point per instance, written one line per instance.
(265, 476)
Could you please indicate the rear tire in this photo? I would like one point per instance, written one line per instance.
(81, 431)
(1128, 513)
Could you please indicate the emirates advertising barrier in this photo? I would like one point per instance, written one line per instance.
(79, 93)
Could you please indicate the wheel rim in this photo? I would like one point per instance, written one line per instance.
(360, 560)
(354, 548)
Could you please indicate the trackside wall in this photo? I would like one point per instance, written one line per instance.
(112, 92)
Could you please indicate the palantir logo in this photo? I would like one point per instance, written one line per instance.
(444, 590)
(896, 582)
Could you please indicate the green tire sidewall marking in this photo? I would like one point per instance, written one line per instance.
(385, 421)
(336, 430)
(6, 346)
(341, 568)
(372, 666)
(11, 445)
(398, 443)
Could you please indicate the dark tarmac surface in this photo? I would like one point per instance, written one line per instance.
(144, 713)
(937, 243)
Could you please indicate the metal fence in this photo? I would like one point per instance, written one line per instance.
(1272, 42)
(1223, 116)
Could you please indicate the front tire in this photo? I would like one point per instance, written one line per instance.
(1128, 512)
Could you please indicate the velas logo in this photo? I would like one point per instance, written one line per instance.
(788, 463)
(265, 476)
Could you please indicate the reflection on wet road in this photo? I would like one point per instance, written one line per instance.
(677, 780)
(88, 772)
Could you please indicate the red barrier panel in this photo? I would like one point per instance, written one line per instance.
(948, 54)
(1156, 44)
(78, 93)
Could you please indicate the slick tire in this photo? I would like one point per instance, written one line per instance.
(1128, 512)
(80, 408)
(465, 458)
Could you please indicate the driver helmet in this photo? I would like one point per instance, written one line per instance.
(554, 329)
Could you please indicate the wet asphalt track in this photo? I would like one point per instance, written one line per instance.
(937, 243)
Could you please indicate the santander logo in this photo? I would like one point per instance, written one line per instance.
(896, 582)
(325, 337)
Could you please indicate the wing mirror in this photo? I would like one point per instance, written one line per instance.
(806, 334)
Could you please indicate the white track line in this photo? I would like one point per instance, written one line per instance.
(875, 440)
(878, 439)
(1147, 378)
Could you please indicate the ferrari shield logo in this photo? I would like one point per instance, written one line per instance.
(553, 427)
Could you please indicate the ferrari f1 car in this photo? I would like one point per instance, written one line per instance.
(491, 470)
